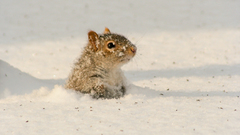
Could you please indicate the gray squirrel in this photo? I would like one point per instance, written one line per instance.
(98, 70)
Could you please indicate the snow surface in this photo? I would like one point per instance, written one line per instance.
(185, 78)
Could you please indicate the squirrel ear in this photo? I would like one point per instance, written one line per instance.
(106, 31)
(92, 38)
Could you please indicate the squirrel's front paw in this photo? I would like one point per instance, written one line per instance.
(98, 91)
(107, 92)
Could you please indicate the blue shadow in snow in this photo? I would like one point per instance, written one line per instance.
(17, 82)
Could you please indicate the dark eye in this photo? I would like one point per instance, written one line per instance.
(111, 45)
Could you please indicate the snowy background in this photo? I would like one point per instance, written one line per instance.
(185, 78)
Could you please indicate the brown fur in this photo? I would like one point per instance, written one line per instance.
(98, 70)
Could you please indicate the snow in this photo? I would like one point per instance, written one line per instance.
(120, 54)
(183, 80)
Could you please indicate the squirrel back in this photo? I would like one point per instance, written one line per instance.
(98, 70)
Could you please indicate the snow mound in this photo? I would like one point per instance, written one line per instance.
(15, 82)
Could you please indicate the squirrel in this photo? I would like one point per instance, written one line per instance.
(98, 70)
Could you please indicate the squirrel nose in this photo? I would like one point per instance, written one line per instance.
(133, 49)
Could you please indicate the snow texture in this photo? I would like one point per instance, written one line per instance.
(183, 80)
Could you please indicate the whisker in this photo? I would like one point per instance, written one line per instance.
(136, 59)
(141, 37)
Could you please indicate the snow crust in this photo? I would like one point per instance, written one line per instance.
(184, 78)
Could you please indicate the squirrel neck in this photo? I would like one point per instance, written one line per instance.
(98, 59)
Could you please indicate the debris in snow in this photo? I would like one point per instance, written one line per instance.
(173, 65)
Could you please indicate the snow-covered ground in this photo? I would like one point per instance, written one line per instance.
(185, 78)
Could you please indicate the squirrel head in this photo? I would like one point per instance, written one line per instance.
(115, 48)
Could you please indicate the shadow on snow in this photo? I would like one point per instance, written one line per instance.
(18, 82)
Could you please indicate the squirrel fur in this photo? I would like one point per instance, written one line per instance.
(98, 70)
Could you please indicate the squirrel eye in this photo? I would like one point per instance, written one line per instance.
(111, 45)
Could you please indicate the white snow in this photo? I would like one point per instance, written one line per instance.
(183, 80)
(120, 54)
